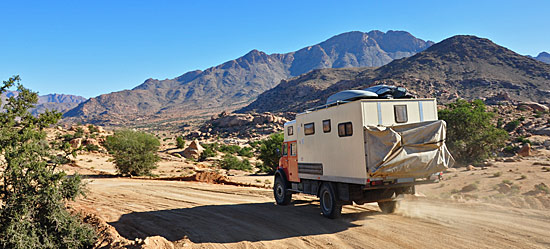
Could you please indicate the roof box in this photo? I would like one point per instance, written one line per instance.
(350, 95)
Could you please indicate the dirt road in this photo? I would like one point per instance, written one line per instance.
(220, 216)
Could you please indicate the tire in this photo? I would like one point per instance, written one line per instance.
(328, 202)
(281, 193)
(388, 207)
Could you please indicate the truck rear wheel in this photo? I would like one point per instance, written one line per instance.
(388, 207)
(329, 204)
(281, 193)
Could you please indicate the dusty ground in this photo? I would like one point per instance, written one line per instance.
(202, 215)
(219, 216)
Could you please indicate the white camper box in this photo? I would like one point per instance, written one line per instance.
(367, 150)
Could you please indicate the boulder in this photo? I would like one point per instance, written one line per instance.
(76, 143)
(470, 167)
(525, 150)
(546, 143)
(542, 131)
(194, 150)
(91, 141)
(156, 242)
(534, 106)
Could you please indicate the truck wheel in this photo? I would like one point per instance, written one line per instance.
(329, 204)
(388, 207)
(282, 195)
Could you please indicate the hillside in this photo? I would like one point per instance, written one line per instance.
(461, 66)
(58, 102)
(544, 57)
(238, 82)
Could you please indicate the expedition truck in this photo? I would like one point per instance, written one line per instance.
(362, 146)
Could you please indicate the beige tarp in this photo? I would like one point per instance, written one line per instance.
(410, 150)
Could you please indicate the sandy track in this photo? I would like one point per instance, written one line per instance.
(220, 216)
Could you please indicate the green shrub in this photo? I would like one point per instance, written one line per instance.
(206, 153)
(471, 137)
(497, 174)
(33, 193)
(523, 140)
(232, 149)
(510, 149)
(135, 152)
(269, 152)
(180, 142)
(231, 162)
(91, 147)
(246, 152)
(92, 128)
(512, 125)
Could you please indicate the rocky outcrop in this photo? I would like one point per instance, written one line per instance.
(244, 125)
(193, 151)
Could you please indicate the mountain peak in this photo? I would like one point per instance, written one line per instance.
(544, 57)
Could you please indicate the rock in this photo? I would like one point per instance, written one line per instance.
(91, 141)
(546, 143)
(450, 170)
(509, 160)
(542, 131)
(157, 242)
(76, 143)
(100, 129)
(504, 188)
(470, 167)
(525, 150)
(534, 106)
(194, 150)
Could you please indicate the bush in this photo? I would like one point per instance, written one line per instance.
(91, 147)
(523, 140)
(92, 128)
(134, 152)
(33, 193)
(232, 162)
(206, 153)
(180, 143)
(512, 125)
(471, 137)
(269, 151)
(245, 151)
(497, 174)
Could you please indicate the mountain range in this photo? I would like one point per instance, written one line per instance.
(458, 67)
(236, 83)
(58, 102)
(544, 57)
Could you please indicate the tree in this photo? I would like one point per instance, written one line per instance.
(135, 152)
(269, 152)
(471, 137)
(32, 192)
(180, 143)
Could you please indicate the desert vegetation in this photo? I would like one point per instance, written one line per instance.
(32, 192)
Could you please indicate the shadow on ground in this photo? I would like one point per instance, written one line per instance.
(235, 223)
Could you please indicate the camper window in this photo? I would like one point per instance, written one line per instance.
(326, 125)
(400, 113)
(290, 130)
(345, 129)
(309, 128)
(293, 149)
(285, 149)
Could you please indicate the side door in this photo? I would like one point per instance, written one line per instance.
(293, 162)
(283, 161)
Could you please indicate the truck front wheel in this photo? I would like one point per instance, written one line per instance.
(282, 195)
(329, 204)
(388, 207)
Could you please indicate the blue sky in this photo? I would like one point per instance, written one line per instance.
(94, 47)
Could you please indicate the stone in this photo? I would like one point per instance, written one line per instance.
(542, 131)
(193, 151)
(534, 106)
(76, 143)
(546, 143)
(91, 141)
(470, 167)
(525, 150)
(157, 242)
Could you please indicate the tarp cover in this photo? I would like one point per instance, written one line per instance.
(410, 150)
